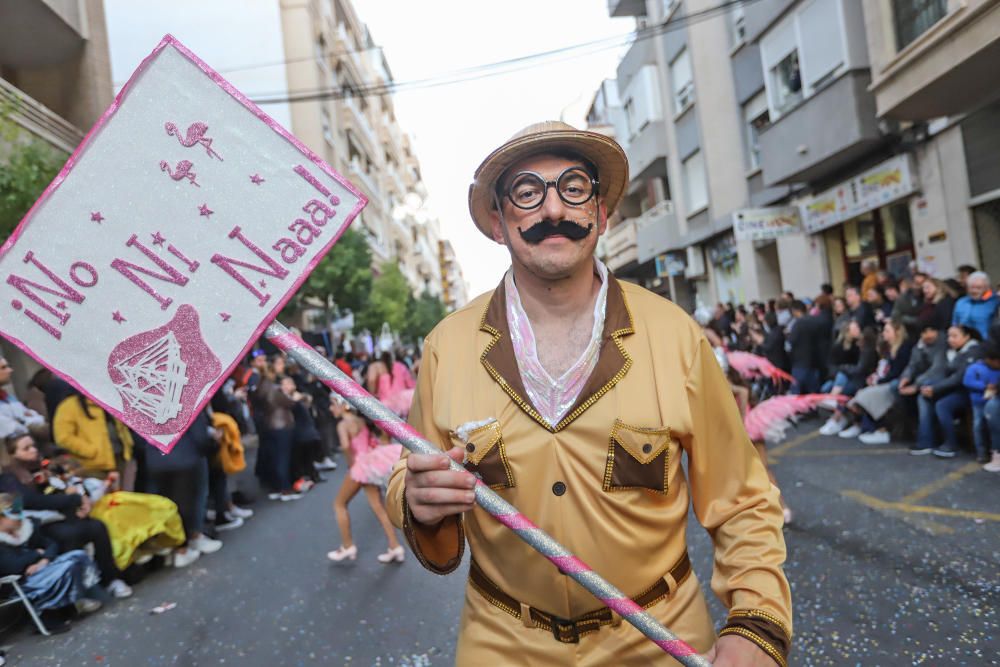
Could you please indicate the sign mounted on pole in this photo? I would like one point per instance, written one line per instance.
(171, 238)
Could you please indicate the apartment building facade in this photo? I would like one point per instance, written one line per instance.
(796, 139)
(286, 47)
(55, 82)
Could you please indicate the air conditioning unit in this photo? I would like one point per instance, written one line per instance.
(695, 262)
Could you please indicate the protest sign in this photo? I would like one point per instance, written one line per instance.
(172, 237)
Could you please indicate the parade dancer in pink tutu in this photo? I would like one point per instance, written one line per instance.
(371, 459)
(392, 383)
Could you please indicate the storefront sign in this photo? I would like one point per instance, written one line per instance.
(761, 224)
(869, 190)
(172, 237)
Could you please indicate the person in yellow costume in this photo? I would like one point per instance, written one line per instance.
(575, 396)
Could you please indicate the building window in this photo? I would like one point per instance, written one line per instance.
(738, 24)
(695, 183)
(915, 17)
(756, 118)
(786, 81)
(682, 80)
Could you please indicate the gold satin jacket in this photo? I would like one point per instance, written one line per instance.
(607, 481)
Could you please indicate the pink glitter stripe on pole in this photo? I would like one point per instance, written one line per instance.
(489, 500)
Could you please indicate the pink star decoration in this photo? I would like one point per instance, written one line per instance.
(96, 217)
(262, 284)
(256, 179)
(205, 210)
(117, 317)
(225, 316)
(61, 305)
(158, 239)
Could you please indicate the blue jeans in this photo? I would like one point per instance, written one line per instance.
(806, 380)
(941, 411)
(991, 412)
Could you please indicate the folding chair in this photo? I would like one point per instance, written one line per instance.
(22, 598)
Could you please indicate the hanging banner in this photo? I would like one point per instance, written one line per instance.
(871, 189)
(172, 237)
(761, 224)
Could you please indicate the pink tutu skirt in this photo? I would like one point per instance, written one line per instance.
(373, 465)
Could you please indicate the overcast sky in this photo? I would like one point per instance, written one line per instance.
(454, 127)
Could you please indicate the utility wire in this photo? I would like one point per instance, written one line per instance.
(504, 66)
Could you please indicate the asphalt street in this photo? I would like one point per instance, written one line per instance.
(893, 560)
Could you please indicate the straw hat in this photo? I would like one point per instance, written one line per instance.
(604, 152)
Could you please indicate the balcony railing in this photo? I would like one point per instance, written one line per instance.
(620, 248)
(39, 119)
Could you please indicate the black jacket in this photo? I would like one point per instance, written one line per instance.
(805, 342)
(16, 559)
(35, 499)
(773, 348)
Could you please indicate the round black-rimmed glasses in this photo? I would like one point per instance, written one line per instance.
(527, 190)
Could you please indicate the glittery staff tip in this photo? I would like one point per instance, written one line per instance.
(499, 508)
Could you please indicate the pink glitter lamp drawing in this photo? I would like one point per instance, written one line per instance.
(181, 171)
(195, 135)
(161, 374)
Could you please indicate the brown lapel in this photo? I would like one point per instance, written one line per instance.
(501, 363)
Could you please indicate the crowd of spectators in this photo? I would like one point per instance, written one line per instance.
(897, 352)
(88, 507)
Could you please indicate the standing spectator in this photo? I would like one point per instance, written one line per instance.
(937, 306)
(881, 306)
(101, 443)
(858, 309)
(783, 311)
(277, 437)
(805, 352)
(14, 416)
(906, 308)
(978, 308)
(869, 273)
(942, 394)
(182, 476)
(306, 439)
(980, 377)
(964, 271)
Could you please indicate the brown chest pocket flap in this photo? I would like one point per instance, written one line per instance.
(486, 455)
(638, 458)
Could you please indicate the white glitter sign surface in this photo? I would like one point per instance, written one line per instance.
(174, 234)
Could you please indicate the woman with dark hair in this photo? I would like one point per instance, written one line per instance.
(277, 437)
(101, 443)
(942, 394)
(850, 377)
(72, 528)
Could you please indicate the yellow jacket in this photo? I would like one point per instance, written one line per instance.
(606, 482)
(86, 437)
(231, 455)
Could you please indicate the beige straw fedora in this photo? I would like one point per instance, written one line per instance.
(604, 152)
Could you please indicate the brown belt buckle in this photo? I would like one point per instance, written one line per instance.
(556, 622)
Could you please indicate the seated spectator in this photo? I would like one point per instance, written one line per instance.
(881, 307)
(937, 305)
(907, 306)
(56, 584)
(857, 308)
(982, 378)
(979, 306)
(873, 401)
(101, 443)
(73, 528)
(991, 410)
(770, 342)
(930, 348)
(14, 416)
(942, 396)
(844, 352)
(852, 377)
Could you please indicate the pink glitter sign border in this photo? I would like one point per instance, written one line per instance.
(170, 40)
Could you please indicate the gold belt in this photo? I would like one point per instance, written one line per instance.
(569, 630)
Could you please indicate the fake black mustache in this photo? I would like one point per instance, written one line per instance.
(546, 228)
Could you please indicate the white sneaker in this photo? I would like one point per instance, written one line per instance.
(875, 438)
(852, 431)
(87, 606)
(833, 426)
(241, 512)
(274, 496)
(210, 515)
(326, 464)
(285, 497)
(186, 557)
(994, 464)
(119, 589)
(205, 544)
(230, 523)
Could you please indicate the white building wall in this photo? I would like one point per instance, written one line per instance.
(803, 264)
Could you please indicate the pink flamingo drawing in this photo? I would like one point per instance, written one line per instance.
(195, 135)
(181, 171)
